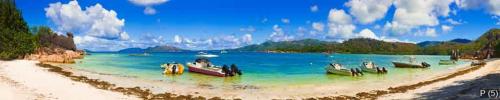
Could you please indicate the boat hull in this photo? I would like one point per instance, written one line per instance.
(205, 71)
(446, 62)
(369, 70)
(407, 65)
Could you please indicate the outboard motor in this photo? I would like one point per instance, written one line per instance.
(174, 68)
(384, 70)
(235, 69)
(426, 64)
(359, 71)
(353, 72)
(226, 70)
(379, 70)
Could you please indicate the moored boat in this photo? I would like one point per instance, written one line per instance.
(172, 68)
(203, 66)
(447, 62)
(206, 55)
(339, 70)
(410, 64)
(370, 67)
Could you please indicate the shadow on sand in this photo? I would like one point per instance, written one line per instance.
(466, 90)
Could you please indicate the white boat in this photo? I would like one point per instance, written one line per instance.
(369, 66)
(223, 51)
(206, 55)
(335, 68)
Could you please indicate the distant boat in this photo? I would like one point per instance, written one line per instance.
(447, 62)
(340, 70)
(203, 54)
(369, 66)
(143, 54)
(203, 66)
(223, 51)
(410, 64)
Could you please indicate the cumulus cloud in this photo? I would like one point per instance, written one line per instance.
(411, 14)
(285, 20)
(446, 28)
(218, 42)
(148, 4)
(340, 24)
(94, 21)
(453, 22)
(367, 33)
(279, 35)
(314, 8)
(368, 11)
(318, 26)
(249, 29)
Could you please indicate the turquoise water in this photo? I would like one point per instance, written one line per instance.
(259, 69)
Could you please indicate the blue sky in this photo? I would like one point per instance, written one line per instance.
(203, 24)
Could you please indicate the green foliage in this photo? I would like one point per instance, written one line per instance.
(15, 38)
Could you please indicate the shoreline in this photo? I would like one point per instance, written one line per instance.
(145, 93)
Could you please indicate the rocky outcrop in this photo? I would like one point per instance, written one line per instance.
(56, 55)
(56, 49)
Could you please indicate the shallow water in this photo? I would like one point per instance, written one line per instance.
(262, 69)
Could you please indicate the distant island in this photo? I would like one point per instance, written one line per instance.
(163, 48)
(373, 46)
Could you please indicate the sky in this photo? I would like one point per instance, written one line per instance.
(110, 25)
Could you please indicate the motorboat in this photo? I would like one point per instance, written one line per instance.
(410, 64)
(447, 62)
(204, 66)
(172, 68)
(369, 66)
(207, 55)
(338, 69)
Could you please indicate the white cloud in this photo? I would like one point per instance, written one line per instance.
(318, 26)
(340, 24)
(149, 11)
(367, 33)
(94, 21)
(218, 42)
(279, 35)
(249, 29)
(285, 20)
(453, 22)
(247, 39)
(314, 8)
(368, 11)
(446, 28)
(148, 4)
(492, 6)
(411, 14)
(429, 32)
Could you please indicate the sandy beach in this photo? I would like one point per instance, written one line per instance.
(23, 79)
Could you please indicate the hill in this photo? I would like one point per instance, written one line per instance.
(356, 45)
(364, 45)
(164, 48)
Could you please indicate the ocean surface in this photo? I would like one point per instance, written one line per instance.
(262, 69)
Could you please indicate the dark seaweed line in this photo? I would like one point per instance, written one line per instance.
(400, 89)
(145, 94)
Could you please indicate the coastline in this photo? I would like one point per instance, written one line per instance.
(107, 84)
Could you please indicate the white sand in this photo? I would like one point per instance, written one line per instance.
(493, 66)
(22, 79)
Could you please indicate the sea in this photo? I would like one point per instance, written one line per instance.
(262, 69)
